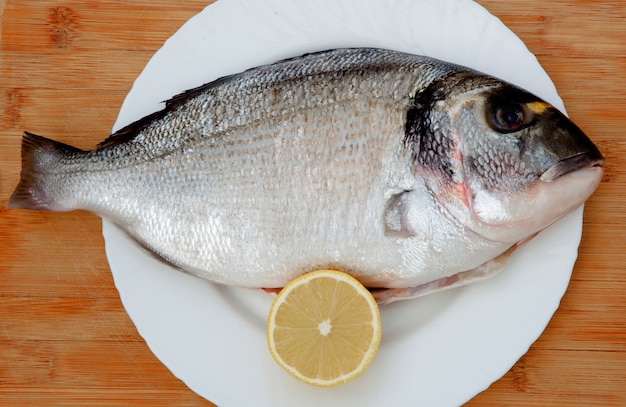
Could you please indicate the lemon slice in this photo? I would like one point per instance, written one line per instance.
(324, 328)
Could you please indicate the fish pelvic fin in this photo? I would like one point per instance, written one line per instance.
(40, 157)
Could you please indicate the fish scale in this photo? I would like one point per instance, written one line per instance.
(361, 160)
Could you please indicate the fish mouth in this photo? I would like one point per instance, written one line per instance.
(571, 164)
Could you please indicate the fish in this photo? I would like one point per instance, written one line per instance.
(409, 173)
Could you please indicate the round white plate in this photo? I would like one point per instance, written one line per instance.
(438, 350)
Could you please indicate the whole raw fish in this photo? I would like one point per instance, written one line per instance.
(409, 173)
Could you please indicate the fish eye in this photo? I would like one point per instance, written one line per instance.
(508, 117)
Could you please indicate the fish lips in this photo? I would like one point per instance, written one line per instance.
(571, 164)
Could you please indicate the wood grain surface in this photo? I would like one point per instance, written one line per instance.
(65, 339)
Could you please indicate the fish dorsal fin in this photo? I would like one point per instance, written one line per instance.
(130, 131)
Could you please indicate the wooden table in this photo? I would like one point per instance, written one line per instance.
(65, 339)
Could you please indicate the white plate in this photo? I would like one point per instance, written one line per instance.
(438, 350)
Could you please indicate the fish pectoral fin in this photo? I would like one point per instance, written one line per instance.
(398, 212)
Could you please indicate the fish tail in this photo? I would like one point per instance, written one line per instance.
(41, 158)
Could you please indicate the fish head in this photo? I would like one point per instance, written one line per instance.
(501, 161)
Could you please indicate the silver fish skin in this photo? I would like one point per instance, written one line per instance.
(409, 173)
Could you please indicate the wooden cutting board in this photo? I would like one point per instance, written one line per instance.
(65, 339)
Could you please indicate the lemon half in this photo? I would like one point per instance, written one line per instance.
(324, 328)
